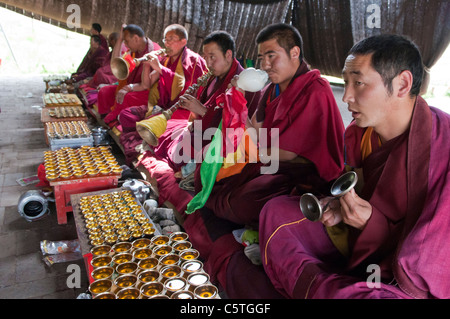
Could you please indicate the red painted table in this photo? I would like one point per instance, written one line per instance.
(63, 190)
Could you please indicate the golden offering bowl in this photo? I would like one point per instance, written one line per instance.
(179, 236)
(153, 288)
(51, 177)
(122, 258)
(101, 261)
(168, 272)
(141, 243)
(125, 236)
(65, 175)
(162, 250)
(170, 259)
(206, 291)
(137, 234)
(91, 224)
(142, 253)
(125, 281)
(148, 263)
(79, 173)
(122, 231)
(95, 236)
(107, 227)
(122, 247)
(97, 242)
(160, 240)
(128, 293)
(179, 246)
(95, 231)
(104, 272)
(100, 286)
(105, 295)
(189, 254)
(101, 250)
(111, 239)
(127, 268)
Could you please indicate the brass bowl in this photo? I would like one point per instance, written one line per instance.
(148, 263)
(169, 259)
(152, 289)
(181, 245)
(122, 247)
(101, 250)
(189, 254)
(101, 261)
(206, 291)
(142, 253)
(141, 243)
(104, 272)
(125, 281)
(105, 295)
(122, 258)
(179, 236)
(127, 268)
(128, 293)
(162, 250)
(100, 286)
(160, 240)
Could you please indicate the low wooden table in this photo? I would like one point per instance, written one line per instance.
(82, 232)
(64, 189)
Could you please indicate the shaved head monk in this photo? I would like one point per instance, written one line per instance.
(300, 104)
(114, 98)
(389, 238)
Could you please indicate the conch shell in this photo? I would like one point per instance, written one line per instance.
(252, 80)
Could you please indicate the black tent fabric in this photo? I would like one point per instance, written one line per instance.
(329, 27)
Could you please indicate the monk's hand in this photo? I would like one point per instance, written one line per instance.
(121, 95)
(332, 214)
(233, 82)
(153, 59)
(190, 103)
(355, 210)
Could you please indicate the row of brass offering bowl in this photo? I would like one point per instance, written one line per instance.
(67, 111)
(149, 268)
(113, 217)
(86, 161)
(69, 129)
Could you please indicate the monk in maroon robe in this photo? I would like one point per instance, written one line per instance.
(92, 61)
(219, 50)
(310, 129)
(388, 239)
(170, 78)
(301, 105)
(134, 38)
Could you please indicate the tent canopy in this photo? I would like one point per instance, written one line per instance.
(329, 28)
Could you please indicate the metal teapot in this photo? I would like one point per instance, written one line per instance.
(140, 189)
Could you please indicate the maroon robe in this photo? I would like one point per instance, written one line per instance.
(90, 64)
(194, 66)
(310, 125)
(224, 257)
(407, 183)
(107, 94)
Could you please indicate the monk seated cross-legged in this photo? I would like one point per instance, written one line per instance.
(388, 237)
(298, 108)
